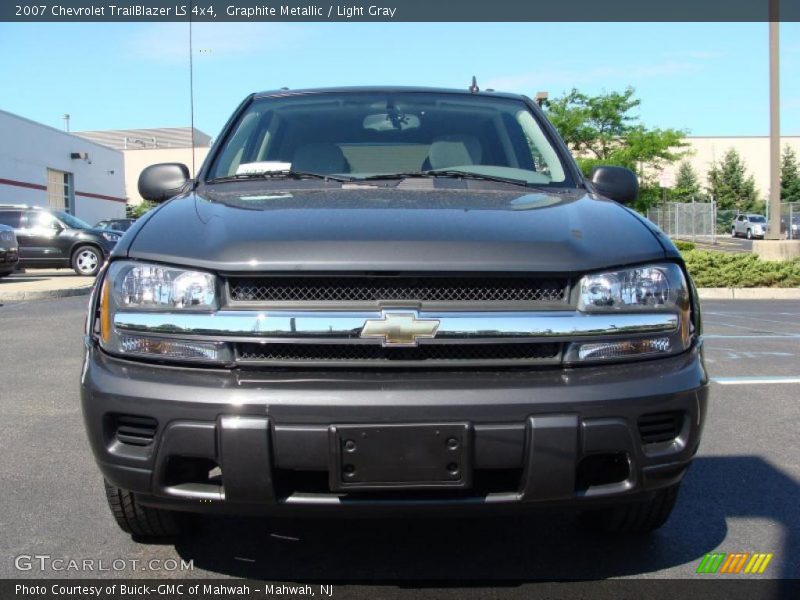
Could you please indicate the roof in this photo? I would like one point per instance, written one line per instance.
(386, 89)
(51, 129)
(138, 139)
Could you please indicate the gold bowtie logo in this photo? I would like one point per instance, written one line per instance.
(400, 329)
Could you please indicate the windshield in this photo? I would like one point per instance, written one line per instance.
(757, 219)
(70, 221)
(360, 135)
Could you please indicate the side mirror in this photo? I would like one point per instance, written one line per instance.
(163, 181)
(616, 183)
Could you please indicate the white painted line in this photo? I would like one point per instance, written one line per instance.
(719, 336)
(749, 317)
(755, 380)
(759, 330)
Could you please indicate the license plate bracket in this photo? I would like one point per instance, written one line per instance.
(400, 456)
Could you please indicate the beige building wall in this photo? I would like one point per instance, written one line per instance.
(754, 151)
(137, 160)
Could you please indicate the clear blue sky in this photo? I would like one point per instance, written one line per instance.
(709, 78)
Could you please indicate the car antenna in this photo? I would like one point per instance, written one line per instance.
(474, 87)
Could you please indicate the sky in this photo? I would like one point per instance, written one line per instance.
(708, 78)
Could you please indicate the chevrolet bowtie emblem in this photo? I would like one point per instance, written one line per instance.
(400, 328)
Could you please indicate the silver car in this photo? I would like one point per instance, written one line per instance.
(9, 250)
(750, 226)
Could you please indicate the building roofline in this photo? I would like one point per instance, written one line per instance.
(56, 130)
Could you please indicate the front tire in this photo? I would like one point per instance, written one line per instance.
(87, 260)
(733, 232)
(749, 234)
(634, 517)
(142, 521)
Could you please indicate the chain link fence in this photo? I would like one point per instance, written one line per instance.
(703, 221)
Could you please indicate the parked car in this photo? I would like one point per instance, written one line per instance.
(9, 251)
(749, 226)
(392, 300)
(115, 224)
(791, 231)
(54, 239)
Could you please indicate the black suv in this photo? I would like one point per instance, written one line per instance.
(55, 239)
(392, 300)
(115, 224)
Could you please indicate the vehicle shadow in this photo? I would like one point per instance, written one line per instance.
(507, 550)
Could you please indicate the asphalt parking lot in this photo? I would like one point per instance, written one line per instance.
(742, 493)
(724, 243)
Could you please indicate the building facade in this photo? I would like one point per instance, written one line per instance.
(703, 152)
(43, 166)
(144, 147)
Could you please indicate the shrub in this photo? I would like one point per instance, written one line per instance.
(683, 246)
(720, 269)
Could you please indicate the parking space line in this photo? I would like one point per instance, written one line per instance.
(748, 317)
(760, 330)
(775, 336)
(756, 380)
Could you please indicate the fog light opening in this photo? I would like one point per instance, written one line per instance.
(602, 469)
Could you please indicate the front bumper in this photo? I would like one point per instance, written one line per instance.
(534, 434)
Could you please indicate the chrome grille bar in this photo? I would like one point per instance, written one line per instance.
(346, 327)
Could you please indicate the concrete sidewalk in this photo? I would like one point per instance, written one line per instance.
(36, 284)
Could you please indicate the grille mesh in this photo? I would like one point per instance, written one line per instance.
(375, 353)
(422, 289)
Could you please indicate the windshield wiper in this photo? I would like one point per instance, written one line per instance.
(292, 174)
(447, 173)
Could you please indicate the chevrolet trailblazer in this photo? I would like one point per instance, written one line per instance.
(392, 299)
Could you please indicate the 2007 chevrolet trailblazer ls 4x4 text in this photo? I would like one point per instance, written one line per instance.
(392, 299)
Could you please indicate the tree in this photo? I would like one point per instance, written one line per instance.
(602, 130)
(687, 184)
(134, 211)
(790, 176)
(730, 185)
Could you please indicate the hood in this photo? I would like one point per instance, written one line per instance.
(392, 229)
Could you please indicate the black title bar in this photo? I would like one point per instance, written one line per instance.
(401, 10)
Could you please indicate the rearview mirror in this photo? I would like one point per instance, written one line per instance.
(161, 182)
(616, 183)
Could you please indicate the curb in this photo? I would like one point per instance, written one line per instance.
(44, 294)
(760, 293)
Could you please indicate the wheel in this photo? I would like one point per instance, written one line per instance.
(749, 235)
(87, 260)
(733, 232)
(634, 517)
(142, 521)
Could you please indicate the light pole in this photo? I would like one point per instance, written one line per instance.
(774, 232)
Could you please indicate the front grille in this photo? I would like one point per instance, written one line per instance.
(660, 427)
(403, 288)
(135, 431)
(368, 353)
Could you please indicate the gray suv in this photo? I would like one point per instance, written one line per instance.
(392, 300)
(749, 226)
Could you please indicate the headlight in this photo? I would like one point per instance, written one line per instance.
(656, 288)
(6, 236)
(137, 287)
(110, 236)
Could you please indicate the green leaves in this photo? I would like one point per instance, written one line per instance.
(730, 184)
(790, 176)
(601, 130)
(721, 269)
(687, 184)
